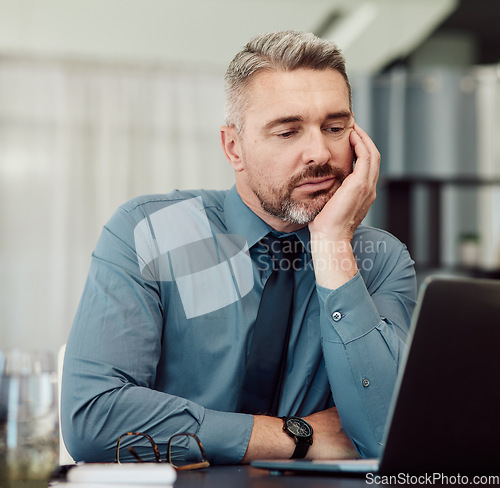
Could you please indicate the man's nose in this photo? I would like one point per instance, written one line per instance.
(316, 150)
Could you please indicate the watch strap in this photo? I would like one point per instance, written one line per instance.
(301, 449)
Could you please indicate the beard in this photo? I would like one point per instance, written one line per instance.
(278, 201)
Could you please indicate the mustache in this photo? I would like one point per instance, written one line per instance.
(323, 171)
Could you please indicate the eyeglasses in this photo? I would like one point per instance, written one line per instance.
(177, 440)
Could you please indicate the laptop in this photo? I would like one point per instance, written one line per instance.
(445, 411)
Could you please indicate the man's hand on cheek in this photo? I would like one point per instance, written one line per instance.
(351, 202)
(333, 228)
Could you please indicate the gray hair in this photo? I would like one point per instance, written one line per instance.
(285, 51)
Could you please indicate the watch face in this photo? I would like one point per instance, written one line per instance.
(299, 427)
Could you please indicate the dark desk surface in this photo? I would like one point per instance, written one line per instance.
(247, 477)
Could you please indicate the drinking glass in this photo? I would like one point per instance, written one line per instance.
(29, 439)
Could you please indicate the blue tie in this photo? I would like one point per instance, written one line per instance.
(266, 363)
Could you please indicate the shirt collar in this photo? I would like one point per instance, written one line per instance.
(240, 220)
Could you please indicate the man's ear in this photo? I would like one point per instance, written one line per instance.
(230, 140)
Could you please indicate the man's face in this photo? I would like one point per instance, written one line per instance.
(294, 150)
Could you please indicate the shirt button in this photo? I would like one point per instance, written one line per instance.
(336, 316)
(365, 382)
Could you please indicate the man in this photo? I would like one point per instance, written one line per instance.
(163, 339)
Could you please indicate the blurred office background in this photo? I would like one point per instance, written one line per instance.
(103, 100)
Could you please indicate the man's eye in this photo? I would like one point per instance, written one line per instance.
(335, 130)
(287, 134)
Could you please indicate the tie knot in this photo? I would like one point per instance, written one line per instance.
(283, 250)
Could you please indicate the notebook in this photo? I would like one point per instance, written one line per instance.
(445, 411)
(113, 475)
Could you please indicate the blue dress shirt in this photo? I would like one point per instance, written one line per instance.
(164, 326)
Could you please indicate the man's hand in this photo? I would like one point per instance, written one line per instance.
(268, 441)
(333, 228)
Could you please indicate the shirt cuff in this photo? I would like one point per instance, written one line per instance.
(225, 435)
(349, 311)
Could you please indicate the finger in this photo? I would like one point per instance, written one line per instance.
(366, 148)
(366, 140)
(362, 155)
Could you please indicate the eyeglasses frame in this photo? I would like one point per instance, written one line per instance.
(200, 465)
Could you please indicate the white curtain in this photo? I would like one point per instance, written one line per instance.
(77, 140)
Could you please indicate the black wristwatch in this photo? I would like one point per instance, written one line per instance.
(301, 432)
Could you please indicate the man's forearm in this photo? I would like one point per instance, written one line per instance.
(363, 333)
(269, 441)
(334, 262)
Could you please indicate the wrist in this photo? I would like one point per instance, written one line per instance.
(267, 440)
(334, 261)
(301, 432)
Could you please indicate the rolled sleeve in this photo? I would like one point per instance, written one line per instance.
(225, 435)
